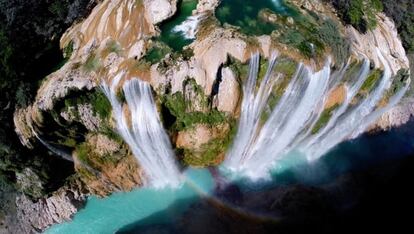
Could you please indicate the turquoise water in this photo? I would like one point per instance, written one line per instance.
(174, 39)
(112, 213)
(245, 14)
(148, 207)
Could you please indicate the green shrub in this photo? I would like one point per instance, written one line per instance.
(6, 53)
(359, 13)
(211, 151)
(329, 33)
(371, 80)
(185, 118)
(100, 104)
(83, 151)
(92, 63)
(324, 119)
(177, 106)
(68, 50)
(402, 12)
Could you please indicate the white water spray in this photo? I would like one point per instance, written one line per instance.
(252, 107)
(348, 122)
(189, 27)
(258, 149)
(146, 136)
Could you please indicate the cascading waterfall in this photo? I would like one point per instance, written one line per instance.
(53, 149)
(356, 118)
(189, 27)
(145, 134)
(252, 106)
(257, 149)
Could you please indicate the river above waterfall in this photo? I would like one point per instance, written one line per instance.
(165, 211)
(247, 14)
(175, 39)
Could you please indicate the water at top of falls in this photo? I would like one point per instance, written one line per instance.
(258, 149)
(146, 136)
(189, 27)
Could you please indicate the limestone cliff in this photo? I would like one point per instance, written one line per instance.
(197, 88)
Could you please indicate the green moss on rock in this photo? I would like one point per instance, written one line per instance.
(324, 119)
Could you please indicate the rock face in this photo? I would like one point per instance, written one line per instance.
(229, 92)
(106, 166)
(207, 5)
(60, 83)
(159, 10)
(397, 116)
(88, 118)
(116, 39)
(382, 37)
(35, 217)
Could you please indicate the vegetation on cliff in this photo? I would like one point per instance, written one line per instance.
(186, 112)
(359, 13)
(29, 40)
(402, 12)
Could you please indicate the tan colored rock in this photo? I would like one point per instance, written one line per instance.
(103, 145)
(201, 134)
(104, 178)
(176, 75)
(89, 119)
(397, 116)
(24, 126)
(127, 22)
(212, 51)
(160, 10)
(109, 166)
(229, 92)
(58, 84)
(385, 38)
(336, 97)
(194, 138)
(69, 115)
(265, 45)
(207, 5)
(57, 208)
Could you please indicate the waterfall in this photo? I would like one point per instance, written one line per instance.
(351, 120)
(58, 152)
(143, 132)
(251, 109)
(257, 149)
(189, 27)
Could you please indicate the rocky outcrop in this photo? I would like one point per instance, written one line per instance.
(382, 37)
(23, 123)
(106, 166)
(160, 10)
(29, 182)
(228, 96)
(204, 6)
(89, 119)
(397, 116)
(114, 39)
(37, 216)
(57, 85)
(204, 145)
